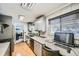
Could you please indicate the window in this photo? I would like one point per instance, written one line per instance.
(0, 28)
(54, 25)
(68, 23)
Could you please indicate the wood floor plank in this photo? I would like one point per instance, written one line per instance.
(22, 49)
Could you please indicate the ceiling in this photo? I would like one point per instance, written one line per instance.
(14, 9)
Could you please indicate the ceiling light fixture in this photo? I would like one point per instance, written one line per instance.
(27, 5)
(21, 17)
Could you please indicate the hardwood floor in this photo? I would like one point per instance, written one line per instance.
(22, 49)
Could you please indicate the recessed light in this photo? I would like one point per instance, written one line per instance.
(21, 17)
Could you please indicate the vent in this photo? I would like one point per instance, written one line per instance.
(27, 5)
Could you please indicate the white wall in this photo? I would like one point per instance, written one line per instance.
(25, 30)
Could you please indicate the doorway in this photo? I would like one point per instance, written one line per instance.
(19, 34)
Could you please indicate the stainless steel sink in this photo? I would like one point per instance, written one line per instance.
(42, 36)
(47, 48)
(49, 52)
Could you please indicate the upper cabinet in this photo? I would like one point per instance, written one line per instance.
(40, 24)
(30, 26)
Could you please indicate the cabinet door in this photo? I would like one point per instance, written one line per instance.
(7, 53)
(40, 24)
(37, 48)
(32, 44)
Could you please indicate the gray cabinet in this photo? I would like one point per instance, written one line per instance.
(5, 49)
(40, 24)
(37, 48)
(42, 50)
(32, 44)
(7, 53)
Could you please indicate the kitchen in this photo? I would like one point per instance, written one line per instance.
(39, 22)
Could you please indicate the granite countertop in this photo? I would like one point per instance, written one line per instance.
(3, 48)
(46, 41)
(39, 39)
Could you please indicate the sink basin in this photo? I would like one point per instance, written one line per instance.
(49, 52)
(47, 48)
(42, 36)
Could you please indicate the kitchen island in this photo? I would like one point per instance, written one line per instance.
(39, 42)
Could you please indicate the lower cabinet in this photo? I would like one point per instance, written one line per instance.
(37, 48)
(42, 50)
(8, 52)
(32, 44)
